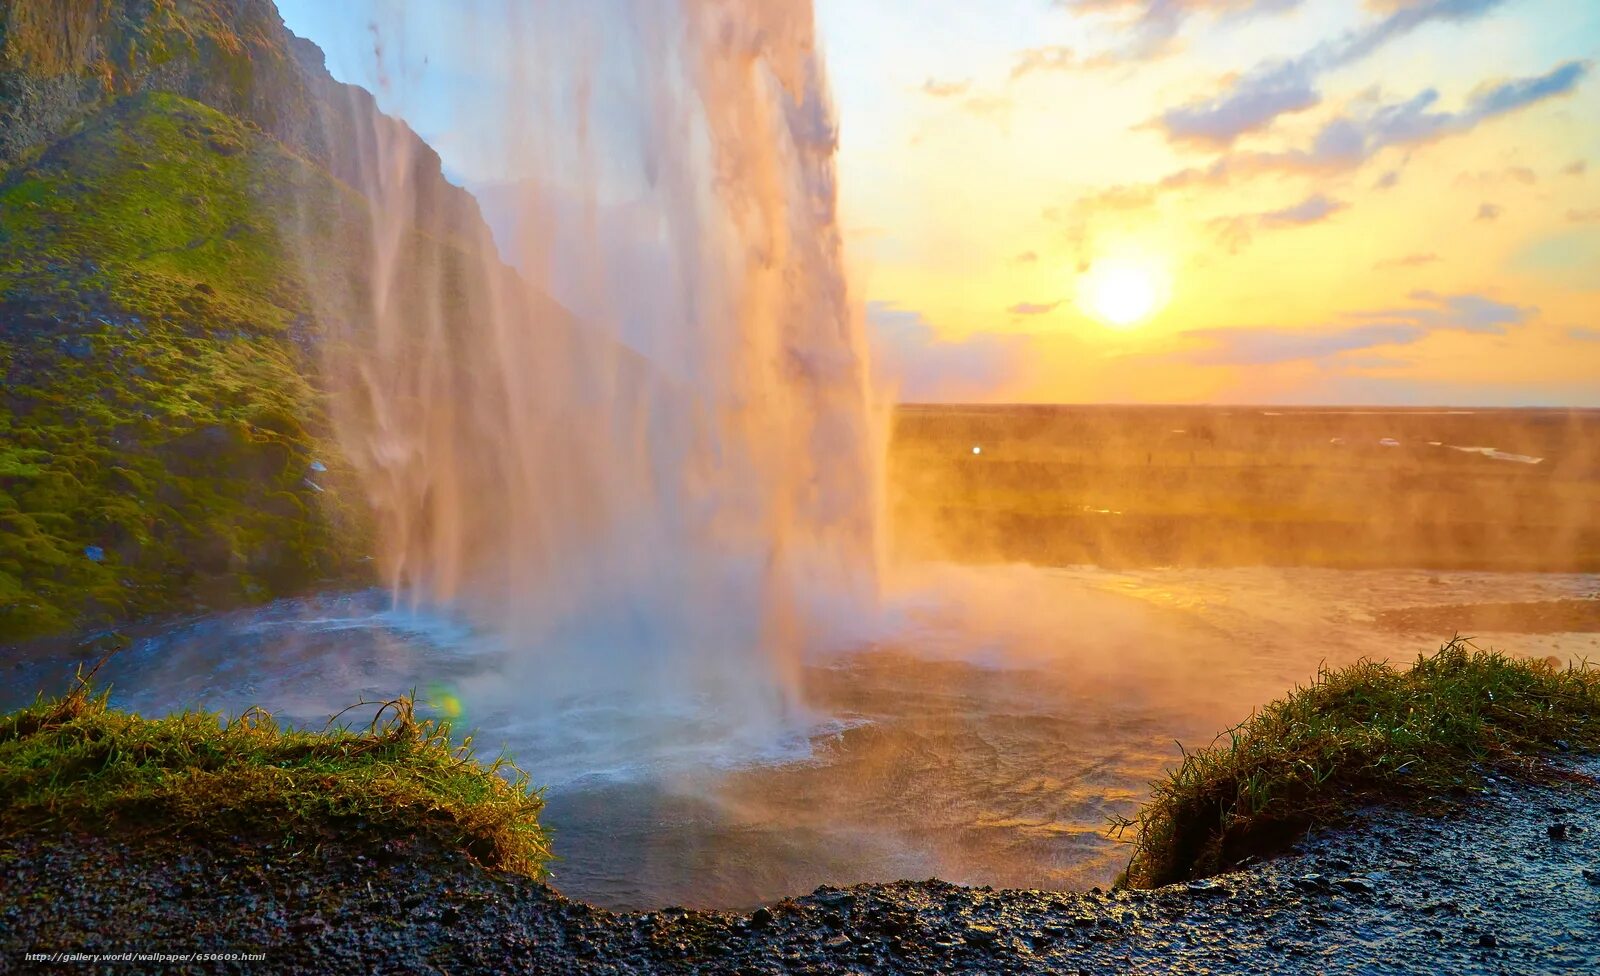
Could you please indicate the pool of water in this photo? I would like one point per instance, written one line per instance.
(982, 729)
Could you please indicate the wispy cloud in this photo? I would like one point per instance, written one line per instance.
(1236, 232)
(946, 89)
(1151, 26)
(1489, 212)
(1584, 216)
(1463, 312)
(1346, 142)
(1254, 100)
(1245, 347)
(1079, 217)
(989, 106)
(1409, 261)
(1584, 334)
(910, 357)
(1033, 308)
(1576, 168)
(1050, 58)
(1510, 174)
(1365, 330)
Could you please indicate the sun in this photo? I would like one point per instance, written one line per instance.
(1123, 291)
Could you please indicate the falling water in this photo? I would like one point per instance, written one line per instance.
(640, 488)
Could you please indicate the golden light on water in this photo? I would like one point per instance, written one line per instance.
(1124, 290)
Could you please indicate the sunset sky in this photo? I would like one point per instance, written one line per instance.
(1264, 201)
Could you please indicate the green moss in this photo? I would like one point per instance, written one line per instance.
(1366, 734)
(74, 763)
(158, 422)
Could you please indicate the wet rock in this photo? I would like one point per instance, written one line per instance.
(761, 918)
(1208, 886)
(1557, 831)
(983, 936)
(1488, 941)
(1357, 885)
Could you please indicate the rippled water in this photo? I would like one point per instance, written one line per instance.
(983, 731)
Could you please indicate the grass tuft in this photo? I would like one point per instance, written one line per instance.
(1362, 735)
(74, 763)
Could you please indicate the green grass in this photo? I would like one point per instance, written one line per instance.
(73, 763)
(1363, 735)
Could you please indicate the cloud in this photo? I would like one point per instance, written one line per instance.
(946, 89)
(1409, 261)
(1463, 312)
(1514, 174)
(1584, 216)
(1032, 308)
(1583, 335)
(1308, 211)
(1026, 257)
(1388, 180)
(1050, 58)
(1236, 232)
(1489, 211)
(1080, 215)
(1250, 105)
(909, 356)
(1576, 168)
(1346, 142)
(1371, 329)
(988, 106)
(1259, 347)
(1152, 25)
(1254, 100)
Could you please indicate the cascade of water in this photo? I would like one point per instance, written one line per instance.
(636, 487)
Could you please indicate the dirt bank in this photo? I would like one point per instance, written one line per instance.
(1510, 884)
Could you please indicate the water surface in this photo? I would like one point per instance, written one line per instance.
(983, 731)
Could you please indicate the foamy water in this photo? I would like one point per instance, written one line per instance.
(981, 730)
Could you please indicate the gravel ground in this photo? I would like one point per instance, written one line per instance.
(1510, 884)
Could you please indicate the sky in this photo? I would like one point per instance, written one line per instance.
(1150, 201)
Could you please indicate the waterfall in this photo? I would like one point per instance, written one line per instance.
(642, 450)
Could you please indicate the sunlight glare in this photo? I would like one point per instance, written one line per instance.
(1123, 291)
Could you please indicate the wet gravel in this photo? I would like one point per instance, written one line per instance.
(1508, 884)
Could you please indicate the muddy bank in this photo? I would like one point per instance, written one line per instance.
(1509, 884)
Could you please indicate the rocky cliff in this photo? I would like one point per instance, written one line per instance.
(173, 175)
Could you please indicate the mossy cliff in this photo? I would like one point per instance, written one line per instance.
(172, 169)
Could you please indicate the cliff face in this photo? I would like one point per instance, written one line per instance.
(62, 60)
(173, 176)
